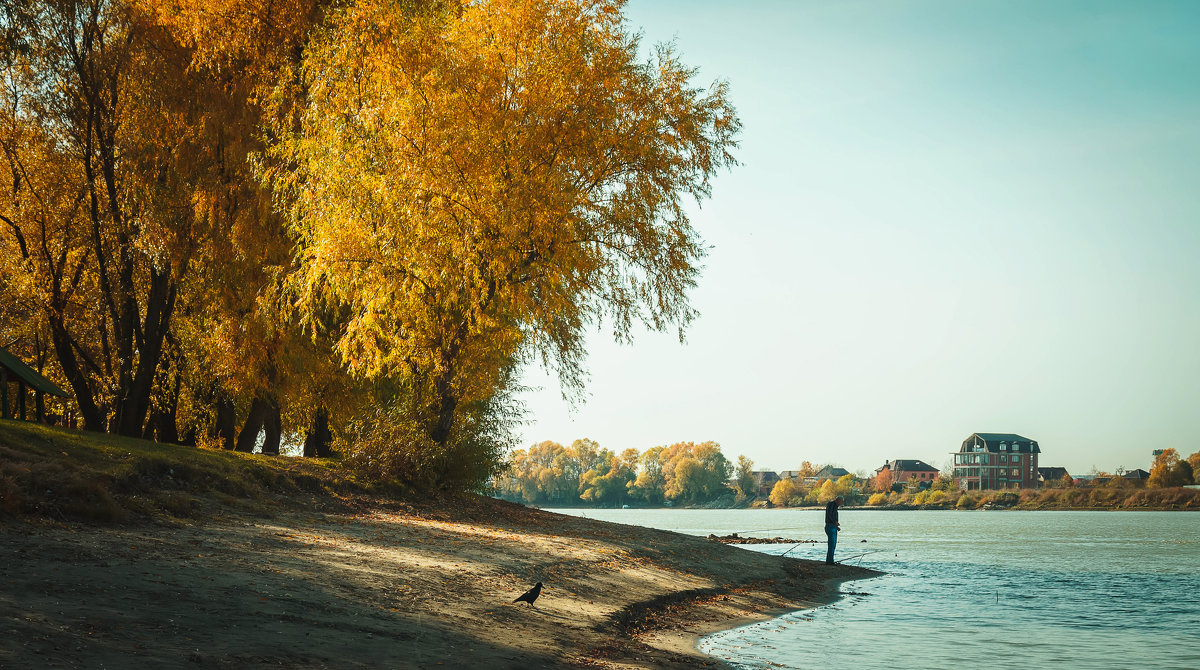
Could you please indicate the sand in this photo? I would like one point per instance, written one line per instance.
(406, 587)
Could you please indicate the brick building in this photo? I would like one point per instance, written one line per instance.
(996, 461)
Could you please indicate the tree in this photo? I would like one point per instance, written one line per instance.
(782, 493)
(883, 481)
(695, 472)
(807, 469)
(826, 492)
(650, 484)
(1166, 471)
(1194, 461)
(102, 99)
(845, 486)
(744, 478)
(474, 185)
(1183, 473)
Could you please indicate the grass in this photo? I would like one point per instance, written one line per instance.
(66, 474)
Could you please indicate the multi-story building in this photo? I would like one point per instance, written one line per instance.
(996, 461)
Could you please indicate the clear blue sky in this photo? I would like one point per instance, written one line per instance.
(952, 217)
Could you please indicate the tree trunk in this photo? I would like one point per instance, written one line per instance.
(253, 426)
(92, 418)
(273, 425)
(160, 303)
(226, 423)
(317, 441)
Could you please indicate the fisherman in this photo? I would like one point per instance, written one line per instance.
(832, 526)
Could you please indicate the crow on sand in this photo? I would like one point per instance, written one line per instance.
(530, 595)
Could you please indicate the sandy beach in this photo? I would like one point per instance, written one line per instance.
(405, 587)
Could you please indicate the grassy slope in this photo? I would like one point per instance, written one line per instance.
(62, 473)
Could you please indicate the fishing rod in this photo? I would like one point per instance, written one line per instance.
(865, 553)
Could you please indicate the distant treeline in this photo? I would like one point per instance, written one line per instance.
(585, 473)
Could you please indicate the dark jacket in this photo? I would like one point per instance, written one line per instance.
(831, 509)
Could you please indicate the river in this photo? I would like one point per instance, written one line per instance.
(995, 589)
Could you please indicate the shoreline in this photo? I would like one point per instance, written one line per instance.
(378, 585)
(883, 508)
(685, 639)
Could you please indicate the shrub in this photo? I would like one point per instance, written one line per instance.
(1005, 499)
(877, 499)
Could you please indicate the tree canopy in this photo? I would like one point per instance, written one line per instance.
(240, 221)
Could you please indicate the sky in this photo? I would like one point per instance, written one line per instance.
(950, 218)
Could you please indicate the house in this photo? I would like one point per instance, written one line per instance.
(830, 472)
(1051, 476)
(764, 481)
(1138, 475)
(996, 461)
(793, 475)
(904, 470)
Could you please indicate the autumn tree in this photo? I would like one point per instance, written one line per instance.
(744, 478)
(883, 481)
(128, 132)
(782, 493)
(92, 95)
(807, 469)
(1166, 471)
(475, 185)
(606, 482)
(650, 484)
(695, 472)
(826, 491)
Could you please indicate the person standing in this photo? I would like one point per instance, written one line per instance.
(832, 526)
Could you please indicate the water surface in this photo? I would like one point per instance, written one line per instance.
(1011, 589)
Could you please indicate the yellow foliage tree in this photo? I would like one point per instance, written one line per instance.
(1169, 470)
(473, 185)
(827, 491)
(782, 493)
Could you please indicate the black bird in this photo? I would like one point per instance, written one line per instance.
(530, 595)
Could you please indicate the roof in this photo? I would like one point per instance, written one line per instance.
(789, 474)
(910, 465)
(992, 442)
(29, 375)
(1136, 474)
(761, 476)
(830, 472)
(1052, 473)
